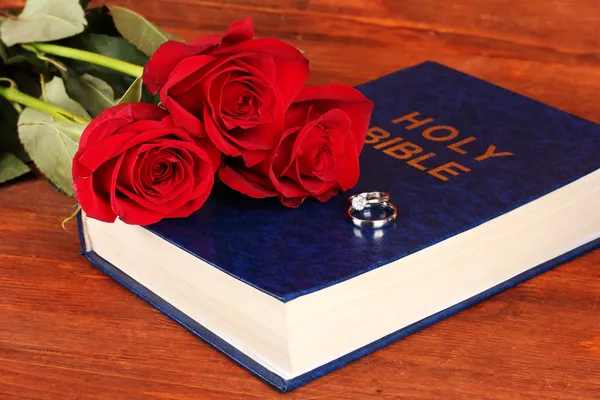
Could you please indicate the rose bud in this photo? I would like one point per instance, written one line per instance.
(317, 155)
(231, 88)
(134, 163)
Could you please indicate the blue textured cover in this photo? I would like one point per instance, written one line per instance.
(291, 252)
(287, 253)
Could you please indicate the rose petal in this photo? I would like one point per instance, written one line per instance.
(282, 154)
(188, 73)
(246, 181)
(93, 193)
(292, 66)
(325, 196)
(336, 120)
(168, 56)
(314, 185)
(260, 66)
(292, 202)
(194, 205)
(190, 207)
(261, 137)
(304, 133)
(216, 136)
(138, 126)
(211, 153)
(183, 118)
(310, 184)
(112, 146)
(296, 115)
(212, 43)
(130, 212)
(349, 169)
(113, 118)
(128, 174)
(239, 31)
(348, 99)
(252, 158)
(287, 187)
(140, 209)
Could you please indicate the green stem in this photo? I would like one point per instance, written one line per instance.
(86, 56)
(13, 94)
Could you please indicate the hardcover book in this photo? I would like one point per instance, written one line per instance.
(492, 188)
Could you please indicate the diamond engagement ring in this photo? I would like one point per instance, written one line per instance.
(372, 203)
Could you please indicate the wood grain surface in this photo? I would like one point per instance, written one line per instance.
(69, 332)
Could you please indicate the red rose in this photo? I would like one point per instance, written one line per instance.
(233, 89)
(317, 155)
(134, 163)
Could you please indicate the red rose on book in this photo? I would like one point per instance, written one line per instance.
(135, 163)
(317, 155)
(233, 89)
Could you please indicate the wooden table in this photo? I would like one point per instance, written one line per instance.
(69, 332)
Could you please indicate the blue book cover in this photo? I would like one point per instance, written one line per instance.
(453, 151)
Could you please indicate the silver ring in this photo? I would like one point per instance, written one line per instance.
(369, 200)
(358, 201)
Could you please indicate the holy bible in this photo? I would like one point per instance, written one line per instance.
(492, 188)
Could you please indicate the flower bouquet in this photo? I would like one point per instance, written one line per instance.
(137, 124)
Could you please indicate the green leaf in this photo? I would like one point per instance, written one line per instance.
(138, 30)
(52, 144)
(44, 21)
(112, 47)
(9, 138)
(100, 21)
(133, 94)
(92, 93)
(99, 86)
(70, 130)
(57, 94)
(28, 58)
(11, 167)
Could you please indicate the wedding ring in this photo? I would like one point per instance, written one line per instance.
(371, 200)
(359, 201)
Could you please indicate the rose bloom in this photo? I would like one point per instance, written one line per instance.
(317, 155)
(135, 163)
(232, 88)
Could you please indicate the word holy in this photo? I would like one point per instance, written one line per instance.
(413, 153)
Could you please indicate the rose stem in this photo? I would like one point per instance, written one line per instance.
(14, 95)
(86, 56)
